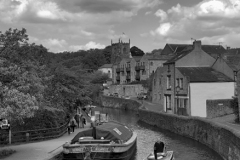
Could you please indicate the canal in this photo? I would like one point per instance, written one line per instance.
(184, 148)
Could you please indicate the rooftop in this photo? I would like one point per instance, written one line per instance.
(203, 74)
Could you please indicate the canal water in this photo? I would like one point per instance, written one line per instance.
(184, 148)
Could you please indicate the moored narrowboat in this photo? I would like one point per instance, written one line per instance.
(110, 140)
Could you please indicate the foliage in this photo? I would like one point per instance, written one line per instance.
(234, 105)
(99, 78)
(20, 84)
(94, 59)
(6, 152)
(135, 51)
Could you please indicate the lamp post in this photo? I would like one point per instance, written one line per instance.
(177, 91)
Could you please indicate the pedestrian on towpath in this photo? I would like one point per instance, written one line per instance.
(73, 123)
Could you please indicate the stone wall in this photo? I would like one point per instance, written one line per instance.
(119, 103)
(127, 90)
(222, 139)
(219, 107)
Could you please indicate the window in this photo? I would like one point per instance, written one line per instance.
(151, 63)
(109, 73)
(168, 102)
(122, 73)
(181, 83)
(168, 82)
(168, 68)
(143, 63)
(177, 82)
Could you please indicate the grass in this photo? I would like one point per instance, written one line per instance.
(6, 152)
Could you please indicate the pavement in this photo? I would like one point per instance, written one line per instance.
(43, 150)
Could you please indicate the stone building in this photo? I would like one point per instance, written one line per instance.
(119, 49)
(184, 83)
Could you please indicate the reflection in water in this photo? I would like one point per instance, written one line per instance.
(184, 148)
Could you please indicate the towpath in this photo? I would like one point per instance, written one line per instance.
(43, 150)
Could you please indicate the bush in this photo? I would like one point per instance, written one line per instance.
(6, 152)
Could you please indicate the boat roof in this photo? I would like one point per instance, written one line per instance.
(112, 131)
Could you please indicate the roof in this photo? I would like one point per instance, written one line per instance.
(178, 47)
(106, 66)
(203, 74)
(233, 61)
(233, 51)
(214, 50)
(178, 56)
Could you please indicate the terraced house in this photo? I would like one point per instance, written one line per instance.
(194, 74)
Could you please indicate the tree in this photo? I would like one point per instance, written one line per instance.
(136, 51)
(21, 84)
(107, 52)
(94, 59)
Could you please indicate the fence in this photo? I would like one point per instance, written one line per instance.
(32, 135)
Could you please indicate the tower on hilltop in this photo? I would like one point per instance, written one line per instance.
(119, 49)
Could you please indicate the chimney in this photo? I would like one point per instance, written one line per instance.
(197, 45)
(228, 48)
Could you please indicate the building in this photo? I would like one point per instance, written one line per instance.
(184, 83)
(120, 49)
(135, 69)
(106, 68)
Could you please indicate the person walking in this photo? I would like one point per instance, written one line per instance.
(77, 119)
(73, 123)
(69, 128)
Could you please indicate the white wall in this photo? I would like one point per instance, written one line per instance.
(105, 70)
(200, 92)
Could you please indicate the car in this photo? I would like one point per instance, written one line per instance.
(4, 124)
(142, 95)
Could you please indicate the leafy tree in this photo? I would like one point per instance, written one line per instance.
(135, 51)
(107, 52)
(20, 86)
(94, 59)
(99, 78)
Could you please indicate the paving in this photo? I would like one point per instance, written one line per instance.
(43, 150)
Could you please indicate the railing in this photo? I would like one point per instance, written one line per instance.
(33, 135)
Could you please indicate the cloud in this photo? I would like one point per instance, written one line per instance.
(89, 45)
(162, 14)
(105, 6)
(207, 20)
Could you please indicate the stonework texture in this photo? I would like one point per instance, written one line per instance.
(119, 103)
(222, 139)
(220, 107)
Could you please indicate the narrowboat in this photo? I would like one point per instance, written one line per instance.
(107, 141)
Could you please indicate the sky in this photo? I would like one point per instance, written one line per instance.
(71, 25)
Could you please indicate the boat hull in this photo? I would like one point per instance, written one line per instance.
(168, 156)
(114, 152)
